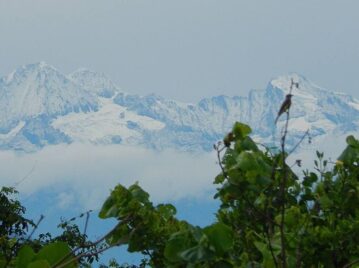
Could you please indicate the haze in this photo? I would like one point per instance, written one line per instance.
(187, 49)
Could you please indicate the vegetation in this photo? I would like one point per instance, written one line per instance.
(268, 217)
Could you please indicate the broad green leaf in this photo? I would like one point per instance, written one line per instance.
(220, 236)
(109, 209)
(39, 264)
(352, 141)
(138, 193)
(351, 152)
(247, 144)
(178, 243)
(263, 181)
(246, 161)
(292, 216)
(266, 254)
(121, 232)
(196, 254)
(241, 130)
(219, 179)
(25, 256)
(114, 204)
(54, 252)
(196, 232)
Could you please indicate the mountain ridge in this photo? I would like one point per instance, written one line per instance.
(44, 107)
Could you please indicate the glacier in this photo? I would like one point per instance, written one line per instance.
(41, 107)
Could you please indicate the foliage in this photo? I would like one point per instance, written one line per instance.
(268, 217)
(313, 220)
(19, 249)
(13, 225)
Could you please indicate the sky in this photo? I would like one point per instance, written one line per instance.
(184, 50)
(188, 49)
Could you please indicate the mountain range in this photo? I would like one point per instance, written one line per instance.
(42, 106)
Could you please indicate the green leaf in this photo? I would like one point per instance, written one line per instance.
(267, 256)
(219, 179)
(178, 243)
(351, 152)
(196, 254)
(246, 161)
(241, 130)
(310, 179)
(248, 144)
(39, 264)
(54, 252)
(109, 209)
(121, 232)
(349, 155)
(139, 194)
(196, 232)
(352, 141)
(325, 202)
(114, 204)
(292, 216)
(25, 256)
(220, 237)
(166, 210)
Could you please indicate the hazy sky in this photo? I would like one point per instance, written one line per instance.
(187, 49)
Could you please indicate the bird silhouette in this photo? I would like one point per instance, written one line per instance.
(285, 106)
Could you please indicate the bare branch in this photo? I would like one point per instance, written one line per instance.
(16, 184)
(87, 220)
(36, 226)
(299, 142)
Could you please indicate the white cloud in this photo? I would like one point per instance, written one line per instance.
(83, 175)
(89, 172)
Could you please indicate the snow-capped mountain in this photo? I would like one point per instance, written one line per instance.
(41, 106)
(30, 97)
(94, 82)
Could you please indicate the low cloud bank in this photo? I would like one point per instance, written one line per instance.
(85, 174)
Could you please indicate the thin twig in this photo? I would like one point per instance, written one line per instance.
(283, 193)
(35, 227)
(268, 149)
(89, 254)
(85, 254)
(82, 246)
(298, 143)
(219, 150)
(87, 221)
(16, 184)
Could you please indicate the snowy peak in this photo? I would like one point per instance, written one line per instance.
(306, 89)
(313, 102)
(94, 82)
(283, 82)
(40, 89)
(41, 68)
